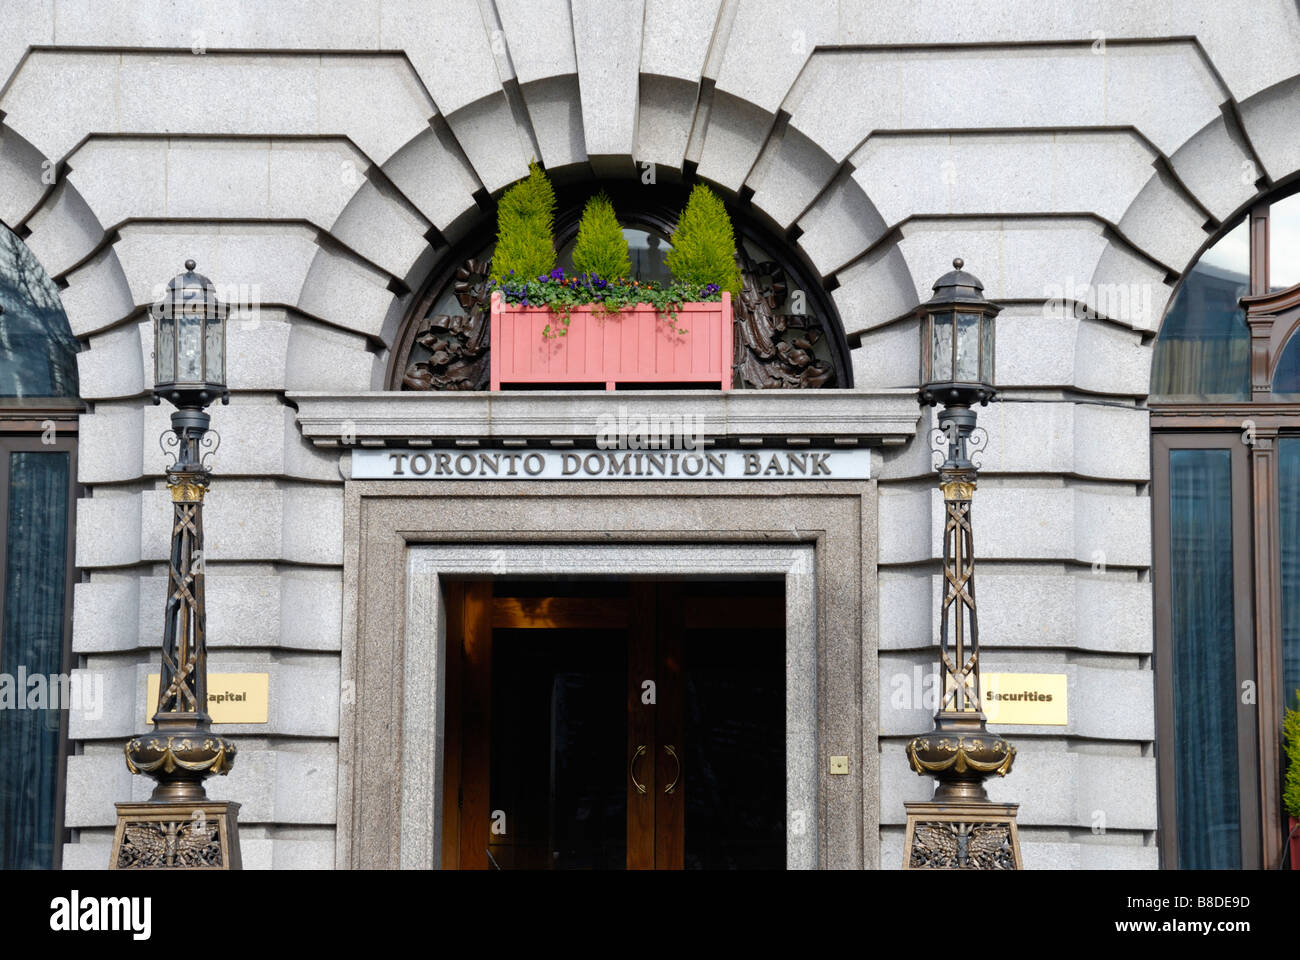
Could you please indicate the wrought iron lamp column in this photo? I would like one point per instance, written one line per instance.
(960, 828)
(179, 827)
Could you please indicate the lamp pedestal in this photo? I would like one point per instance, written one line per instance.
(960, 828)
(179, 827)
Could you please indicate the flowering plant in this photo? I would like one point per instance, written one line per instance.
(560, 293)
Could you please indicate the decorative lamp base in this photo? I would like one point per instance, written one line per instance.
(194, 835)
(962, 835)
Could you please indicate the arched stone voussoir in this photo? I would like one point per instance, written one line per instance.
(1269, 118)
(25, 177)
(433, 174)
(1217, 168)
(840, 225)
(874, 290)
(346, 292)
(64, 230)
(1163, 223)
(489, 135)
(790, 174)
(382, 226)
(98, 294)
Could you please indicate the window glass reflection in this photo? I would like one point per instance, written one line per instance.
(1204, 348)
(1284, 243)
(37, 349)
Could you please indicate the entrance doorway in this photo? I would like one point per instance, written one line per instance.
(614, 723)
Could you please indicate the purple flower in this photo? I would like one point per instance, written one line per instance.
(557, 274)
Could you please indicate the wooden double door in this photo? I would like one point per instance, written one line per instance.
(609, 724)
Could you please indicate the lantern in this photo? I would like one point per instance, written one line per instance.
(957, 341)
(190, 342)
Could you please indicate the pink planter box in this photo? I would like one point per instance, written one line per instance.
(630, 346)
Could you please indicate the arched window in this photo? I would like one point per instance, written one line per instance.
(788, 334)
(38, 426)
(1225, 416)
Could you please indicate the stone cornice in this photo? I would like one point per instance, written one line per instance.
(745, 417)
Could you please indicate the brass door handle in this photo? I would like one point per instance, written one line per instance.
(672, 752)
(631, 768)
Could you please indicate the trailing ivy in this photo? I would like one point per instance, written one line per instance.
(560, 293)
(525, 228)
(601, 248)
(704, 243)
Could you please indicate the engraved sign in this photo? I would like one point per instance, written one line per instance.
(232, 697)
(700, 464)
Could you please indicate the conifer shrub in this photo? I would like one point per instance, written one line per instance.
(704, 244)
(1291, 746)
(601, 248)
(525, 229)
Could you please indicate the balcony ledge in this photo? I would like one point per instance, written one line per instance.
(822, 418)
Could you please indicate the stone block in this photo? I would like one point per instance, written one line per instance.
(111, 443)
(110, 714)
(840, 225)
(888, 357)
(113, 367)
(64, 230)
(557, 124)
(1023, 259)
(1163, 224)
(489, 135)
(790, 174)
(736, 133)
(448, 45)
(539, 36)
(98, 295)
(1206, 164)
(109, 530)
(1265, 117)
(319, 357)
(676, 38)
(346, 292)
(104, 613)
(433, 173)
(22, 169)
(607, 44)
(1024, 523)
(875, 290)
(665, 117)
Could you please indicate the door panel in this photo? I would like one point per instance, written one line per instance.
(582, 727)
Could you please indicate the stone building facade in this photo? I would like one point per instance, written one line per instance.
(323, 161)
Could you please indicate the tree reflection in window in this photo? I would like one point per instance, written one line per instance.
(38, 354)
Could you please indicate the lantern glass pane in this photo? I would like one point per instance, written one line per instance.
(986, 350)
(925, 349)
(189, 358)
(968, 347)
(941, 346)
(215, 354)
(165, 361)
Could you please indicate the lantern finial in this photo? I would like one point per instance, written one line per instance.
(958, 263)
(190, 265)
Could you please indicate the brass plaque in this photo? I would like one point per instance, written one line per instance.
(1025, 698)
(839, 764)
(232, 697)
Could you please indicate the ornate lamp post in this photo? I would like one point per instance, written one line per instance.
(179, 827)
(960, 827)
